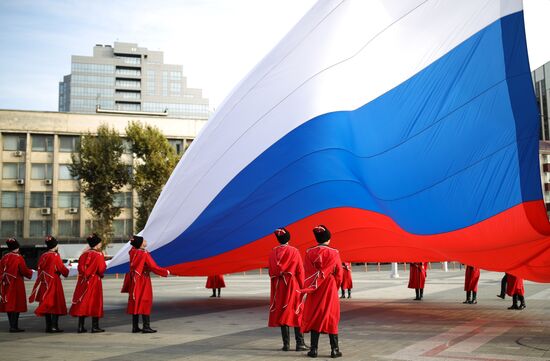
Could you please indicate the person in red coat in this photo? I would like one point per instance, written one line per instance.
(48, 290)
(470, 284)
(347, 282)
(215, 282)
(88, 293)
(286, 271)
(138, 284)
(515, 289)
(323, 277)
(13, 299)
(417, 278)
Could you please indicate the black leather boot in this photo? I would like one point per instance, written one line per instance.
(314, 344)
(503, 287)
(417, 292)
(343, 294)
(48, 318)
(55, 324)
(95, 325)
(468, 293)
(213, 292)
(335, 350)
(146, 324)
(474, 298)
(514, 303)
(285, 334)
(135, 324)
(219, 292)
(81, 328)
(300, 343)
(15, 323)
(421, 293)
(349, 293)
(521, 302)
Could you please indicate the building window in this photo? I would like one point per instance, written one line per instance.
(128, 71)
(42, 143)
(92, 68)
(11, 229)
(123, 228)
(40, 228)
(68, 228)
(177, 144)
(64, 172)
(175, 75)
(130, 60)
(128, 94)
(41, 199)
(68, 200)
(175, 89)
(13, 199)
(69, 143)
(128, 106)
(41, 171)
(15, 141)
(123, 200)
(13, 171)
(127, 83)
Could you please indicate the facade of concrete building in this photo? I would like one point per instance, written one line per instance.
(541, 83)
(125, 77)
(38, 196)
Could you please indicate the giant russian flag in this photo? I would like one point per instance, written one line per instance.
(408, 127)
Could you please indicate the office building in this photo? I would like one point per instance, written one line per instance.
(38, 195)
(128, 78)
(541, 82)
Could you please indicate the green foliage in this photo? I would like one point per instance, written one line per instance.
(102, 174)
(156, 160)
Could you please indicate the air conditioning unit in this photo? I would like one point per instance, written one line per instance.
(73, 210)
(20, 181)
(46, 211)
(18, 153)
(48, 182)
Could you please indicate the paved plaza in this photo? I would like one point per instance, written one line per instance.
(380, 322)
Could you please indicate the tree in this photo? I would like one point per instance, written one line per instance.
(102, 174)
(156, 160)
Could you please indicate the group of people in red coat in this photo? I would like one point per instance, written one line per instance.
(87, 299)
(304, 294)
(510, 285)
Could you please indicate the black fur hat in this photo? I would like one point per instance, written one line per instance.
(322, 234)
(282, 234)
(12, 244)
(51, 242)
(136, 241)
(93, 240)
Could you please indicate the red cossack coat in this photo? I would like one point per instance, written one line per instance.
(215, 281)
(137, 282)
(417, 275)
(347, 282)
(48, 290)
(514, 285)
(471, 279)
(323, 278)
(12, 286)
(286, 271)
(88, 293)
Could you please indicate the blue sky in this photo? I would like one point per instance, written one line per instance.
(216, 41)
